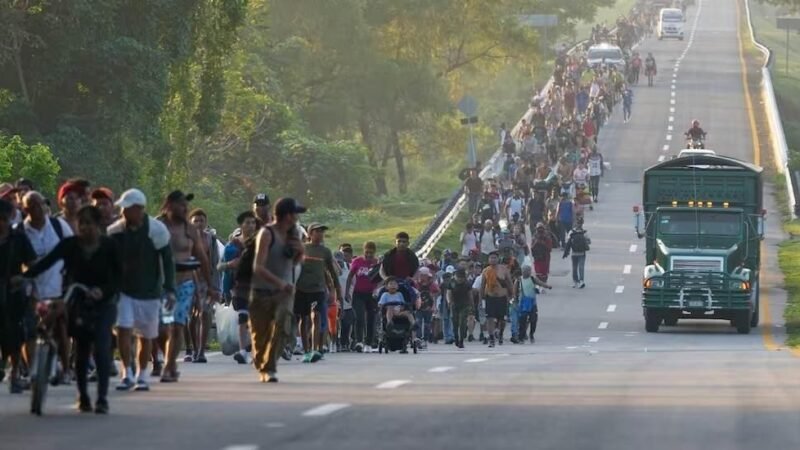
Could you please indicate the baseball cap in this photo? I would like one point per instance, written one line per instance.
(132, 197)
(7, 189)
(103, 192)
(176, 196)
(450, 269)
(288, 205)
(24, 182)
(261, 199)
(76, 186)
(316, 226)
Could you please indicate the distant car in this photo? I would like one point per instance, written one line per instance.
(670, 23)
(696, 152)
(605, 54)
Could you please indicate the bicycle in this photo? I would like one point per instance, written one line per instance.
(43, 367)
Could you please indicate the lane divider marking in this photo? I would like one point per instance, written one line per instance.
(594, 339)
(392, 384)
(633, 248)
(619, 290)
(666, 147)
(661, 158)
(611, 308)
(626, 269)
(324, 410)
(476, 360)
(442, 369)
(603, 325)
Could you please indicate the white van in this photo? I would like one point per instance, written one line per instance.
(670, 23)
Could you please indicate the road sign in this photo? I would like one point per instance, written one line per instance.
(788, 23)
(468, 105)
(539, 20)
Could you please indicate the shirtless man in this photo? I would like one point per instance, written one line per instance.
(189, 252)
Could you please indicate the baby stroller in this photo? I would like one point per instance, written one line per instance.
(397, 335)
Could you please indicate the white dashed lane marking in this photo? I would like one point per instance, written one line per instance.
(619, 290)
(324, 410)
(476, 360)
(611, 308)
(392, 384)
(603, 325)
(633, 248)
(594, 339)
(441, 369)
(661, 158)
(626, 269)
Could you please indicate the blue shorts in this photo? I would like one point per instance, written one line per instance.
(184, 298)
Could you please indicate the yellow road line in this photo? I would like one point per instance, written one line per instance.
(764, 305)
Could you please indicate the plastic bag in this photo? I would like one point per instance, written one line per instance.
(227, 329)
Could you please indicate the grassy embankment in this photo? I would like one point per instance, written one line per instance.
(787, 88)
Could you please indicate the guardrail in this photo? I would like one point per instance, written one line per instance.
(448, 213)
(780, 148)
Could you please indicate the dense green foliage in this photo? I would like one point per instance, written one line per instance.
(332, 101)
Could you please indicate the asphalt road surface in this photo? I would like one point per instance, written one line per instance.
(593, 380)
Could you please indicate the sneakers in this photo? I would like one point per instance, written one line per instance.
(298, 350)
(316, 357)
(470, 338)
(239, 358)
(491, 343)
(84, 404)
(126, 384)
(141, 385)
(582, 285)
(286, 354)
(514, 340)
(15, 387)
(201, 359)
(101, 407)
(157, 367)
(272, 377)
(359, 347)
(188, 358)
(307, 357)
(367, 349)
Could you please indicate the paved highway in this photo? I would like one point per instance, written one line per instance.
(594, 379)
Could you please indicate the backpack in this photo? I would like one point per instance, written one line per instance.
(579, 242)
(56, 224)
(244, 272)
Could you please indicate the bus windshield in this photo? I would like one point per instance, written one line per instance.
(699, 222)
(604, 53)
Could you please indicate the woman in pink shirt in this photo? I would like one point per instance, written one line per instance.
(364, 303)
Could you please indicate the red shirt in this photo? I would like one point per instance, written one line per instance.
(361, 267)
(400, 266)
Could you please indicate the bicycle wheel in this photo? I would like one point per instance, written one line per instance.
(41, 378)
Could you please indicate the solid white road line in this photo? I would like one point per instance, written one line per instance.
(619, 290)
(594, 339)
(633, 248)
(476, 360)
(442, 369)
(241, 447)
(324, 410)
(611, 308)
(392, 384)
(626, 269)
(603, 325)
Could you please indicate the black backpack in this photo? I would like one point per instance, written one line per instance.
(244, 272)
(579, 243)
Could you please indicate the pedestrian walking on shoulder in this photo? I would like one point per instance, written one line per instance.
(578, 245)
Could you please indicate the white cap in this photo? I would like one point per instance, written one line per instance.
(132, 197)
(450, 269)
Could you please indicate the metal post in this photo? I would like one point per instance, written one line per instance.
(787, 51)
(472, 157)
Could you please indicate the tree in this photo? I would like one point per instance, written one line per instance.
(35, 162)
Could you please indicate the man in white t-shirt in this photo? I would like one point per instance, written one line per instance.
(45, 233)
(469, 241)
(596, 168)
(515, 206)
